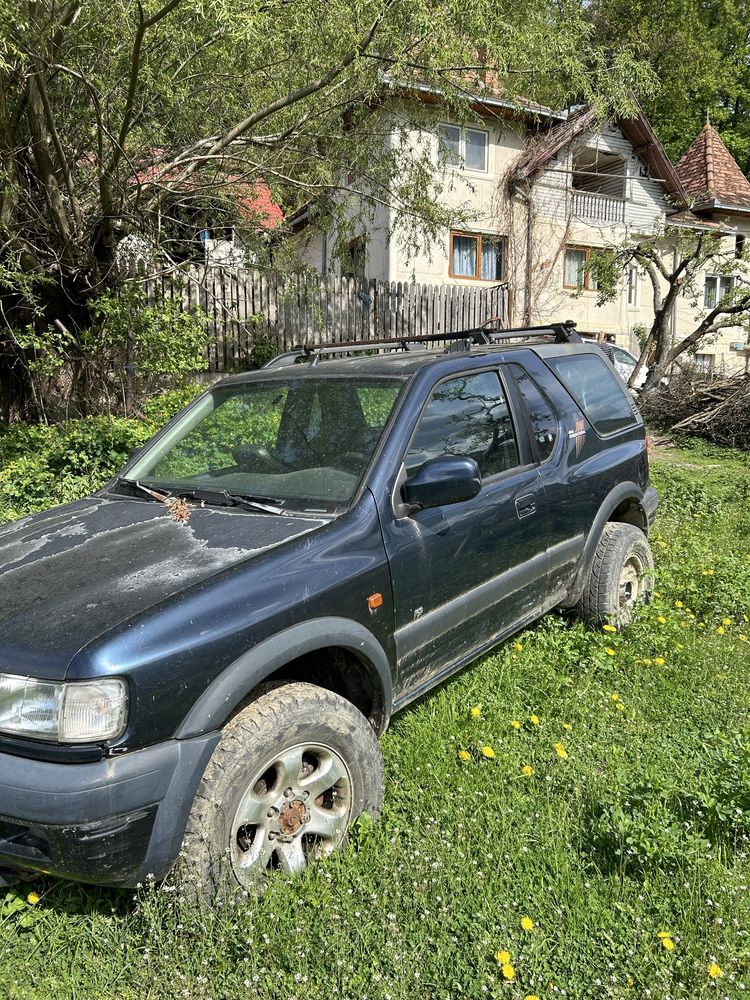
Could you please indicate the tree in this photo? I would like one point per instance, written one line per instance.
(676, 261)
(700, 55)
(117, 115)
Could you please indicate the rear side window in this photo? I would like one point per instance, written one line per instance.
(544, 421)
(592, 383)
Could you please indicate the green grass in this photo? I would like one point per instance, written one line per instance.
(643, 828)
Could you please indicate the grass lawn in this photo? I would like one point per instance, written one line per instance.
(604, 795)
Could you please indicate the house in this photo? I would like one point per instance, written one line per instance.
(545, 189)
(720, 193)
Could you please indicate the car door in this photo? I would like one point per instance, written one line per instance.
(465, 573)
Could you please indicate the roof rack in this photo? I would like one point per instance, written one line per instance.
(458, 341)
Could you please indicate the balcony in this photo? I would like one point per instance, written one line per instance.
(593, 207)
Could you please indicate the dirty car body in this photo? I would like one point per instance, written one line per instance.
(368, 524)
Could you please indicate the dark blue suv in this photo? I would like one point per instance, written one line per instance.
(202, 656)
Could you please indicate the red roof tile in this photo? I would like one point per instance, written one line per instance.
(709, 172)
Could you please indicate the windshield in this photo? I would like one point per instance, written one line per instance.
(301, 443)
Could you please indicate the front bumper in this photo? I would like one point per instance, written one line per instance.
(112, 822)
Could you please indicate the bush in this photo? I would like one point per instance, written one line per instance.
(44, 465)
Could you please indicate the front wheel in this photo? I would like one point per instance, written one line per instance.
(290, 774)
(621, 576)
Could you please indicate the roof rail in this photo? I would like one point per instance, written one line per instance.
(458, 340)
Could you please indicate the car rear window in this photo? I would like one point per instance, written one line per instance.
(593, 385)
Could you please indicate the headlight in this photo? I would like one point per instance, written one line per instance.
(75, 712)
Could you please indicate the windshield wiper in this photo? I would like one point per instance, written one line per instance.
(213, 498)
(224, 498)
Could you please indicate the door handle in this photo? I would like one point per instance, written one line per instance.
(525, 505)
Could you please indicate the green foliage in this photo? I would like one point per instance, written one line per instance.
(699, 55)
(166, 340)
(42, 465)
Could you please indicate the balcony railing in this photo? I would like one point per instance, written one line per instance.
(598, 207)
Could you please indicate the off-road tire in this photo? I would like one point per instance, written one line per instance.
(282, 723)
(621, 577)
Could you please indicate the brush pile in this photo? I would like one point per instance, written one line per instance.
(713, 407)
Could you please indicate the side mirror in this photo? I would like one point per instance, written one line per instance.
(442, 481)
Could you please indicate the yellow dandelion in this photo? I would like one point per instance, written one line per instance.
(609, 628)
(560, 750)
(527, 924)
(518, 647)
(476, 712)
(567, 727)
(620, 706)
(667, 943)
(502, 957)
(527, 770)
(534, 720)
(662, 620)
(679, 604)
(32, 898)
(508, 972)
(609, 651)
(715, 971)
(488, 752)
(701, 624)
(743, 638)
(516, 724)
(464, 755)
(659, 661)
(726, 621)
(720, 630)
(615, 696)
(531, 996)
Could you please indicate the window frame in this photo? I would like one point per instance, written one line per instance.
(515, 411)
(463, 130)
(523, 406)
(479, 237)
(633, 286)
(718, 278)
(637, 419)
(587, 285)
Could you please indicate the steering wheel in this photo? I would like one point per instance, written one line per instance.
(255, 457)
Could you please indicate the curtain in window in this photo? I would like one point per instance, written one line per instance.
(709, 293)
(493, 262)
(465, 256)
(575, 268)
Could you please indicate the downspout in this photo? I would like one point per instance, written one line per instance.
(523, 190)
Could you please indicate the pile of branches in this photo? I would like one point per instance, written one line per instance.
(714, 407)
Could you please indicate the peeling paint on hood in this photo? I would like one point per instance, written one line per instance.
(70, 574)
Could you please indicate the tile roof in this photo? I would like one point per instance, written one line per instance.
(710, 174)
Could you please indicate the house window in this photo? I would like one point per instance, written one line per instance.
(480, 256)
(464, 147)
(576, 276)
(633, 287)
(717, 287)
(704, 363)
(354, 264)
(599, 172)
(739, 245)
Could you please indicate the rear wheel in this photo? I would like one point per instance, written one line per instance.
(621, 576)
(290, 774)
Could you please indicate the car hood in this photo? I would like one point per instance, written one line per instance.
(70, 574)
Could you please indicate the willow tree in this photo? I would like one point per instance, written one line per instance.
(115, 113)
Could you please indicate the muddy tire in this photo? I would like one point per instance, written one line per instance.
(290, 774)
(621, 577)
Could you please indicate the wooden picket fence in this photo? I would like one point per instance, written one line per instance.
(251, 308)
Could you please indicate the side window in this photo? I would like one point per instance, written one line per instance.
(544, 420)
(592, 384)
(466, 416)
